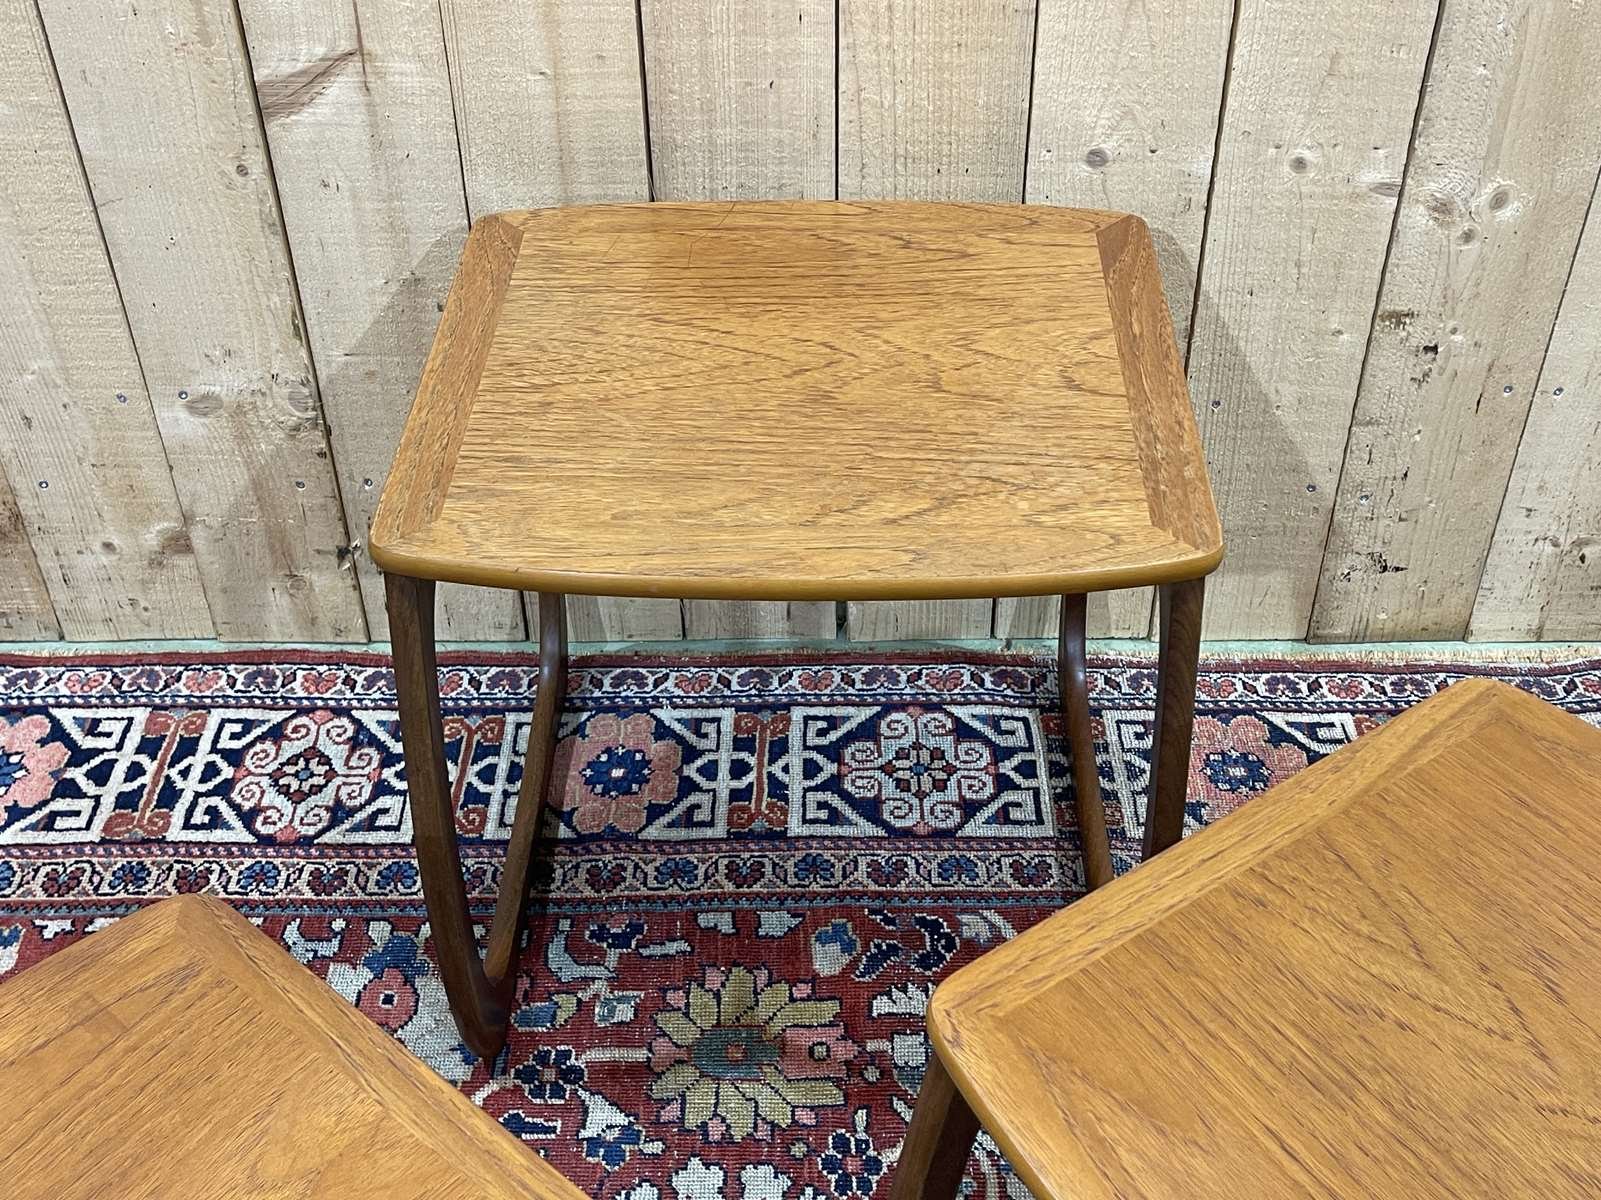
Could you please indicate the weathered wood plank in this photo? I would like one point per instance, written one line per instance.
(742, 108)
(549, 111)
(1124, 117)
(26, 614)
(933, 98)
(917, 620)
(933, 105)
(1505, 162)
(618, 618)
(96, 498)
(741, 98)
(356, 103)
(548, 103)
(715, 620)
(1124, 614)
(1543, 575)
(161, 99)
(1125, 113)
(1314, 138)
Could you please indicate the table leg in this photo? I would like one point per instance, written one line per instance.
(1071, 673)
(938, 1140)
(1180, 631)
(479, 989)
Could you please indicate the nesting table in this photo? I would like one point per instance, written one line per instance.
(1381, 979)
(789, 401)
(181, 1053)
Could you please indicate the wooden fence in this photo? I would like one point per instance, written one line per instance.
(226, 231)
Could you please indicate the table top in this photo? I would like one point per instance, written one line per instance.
(180, 1053)
(1380, 979)
(802, 400)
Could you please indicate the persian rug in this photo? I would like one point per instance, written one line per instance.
(756, 872)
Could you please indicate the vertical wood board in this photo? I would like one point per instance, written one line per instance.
(162, 102)
(1125, 114)
(548, 103)
(741, 98)
(26, 614)
(615, 619)
(933, 98)
(1505, 162)
(1125, 613)
(918, 620)
(355, 99)
(1543, 575)
(76, 427)
(716, 620)
(1315, 132)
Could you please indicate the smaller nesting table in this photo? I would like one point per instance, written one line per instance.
(182, 1054)
(1379, 981)
(789, 402)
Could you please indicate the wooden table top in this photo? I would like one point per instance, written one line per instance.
(179, 1053)
(802, 400)
(1380, 979)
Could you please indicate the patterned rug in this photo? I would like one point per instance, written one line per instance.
(762, 866)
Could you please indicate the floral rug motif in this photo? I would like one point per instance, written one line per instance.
(756, 872)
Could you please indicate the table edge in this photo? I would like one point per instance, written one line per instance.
(1473, 700)
(205, 929)
(1178, 492)
(399, 560)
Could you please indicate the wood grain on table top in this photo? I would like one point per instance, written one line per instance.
(180, 1053)
(1380, 979)
(803, 400)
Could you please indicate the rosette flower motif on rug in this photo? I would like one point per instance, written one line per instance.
(613, 770)
(741, 1055)
(1235, 759)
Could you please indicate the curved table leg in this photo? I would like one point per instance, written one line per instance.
(1070, 670)
(1180, 631)
(938, 1141)
(480, 989)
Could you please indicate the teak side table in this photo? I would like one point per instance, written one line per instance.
(181, 1054)
(789, 401)
(1379, 981)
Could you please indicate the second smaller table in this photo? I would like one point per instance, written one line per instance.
(183, 1055)
(1379, 981)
